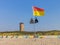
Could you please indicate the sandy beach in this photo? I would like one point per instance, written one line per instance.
(29, 41)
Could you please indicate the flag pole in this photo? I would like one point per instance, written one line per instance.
(34, 29)
(35, 35)
(34, 17)
(34, 23)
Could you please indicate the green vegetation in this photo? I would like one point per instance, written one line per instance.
(53, 32)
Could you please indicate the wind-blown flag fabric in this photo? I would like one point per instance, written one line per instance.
(38, 11)
(33, 21)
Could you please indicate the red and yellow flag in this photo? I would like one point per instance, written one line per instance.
(38, 11)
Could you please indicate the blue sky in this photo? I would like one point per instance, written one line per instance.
(12, 12)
